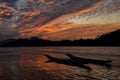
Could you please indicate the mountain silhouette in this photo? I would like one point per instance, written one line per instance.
(109, 39)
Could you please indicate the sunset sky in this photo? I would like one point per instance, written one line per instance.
(58, 19)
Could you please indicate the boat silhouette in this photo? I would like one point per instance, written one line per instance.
(69, 62)
(104, 63)
(79, 62)
(87, 60)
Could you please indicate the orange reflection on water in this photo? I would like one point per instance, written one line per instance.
(39, 62)
(34, 67)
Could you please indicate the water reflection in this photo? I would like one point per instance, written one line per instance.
(10, 67)
(30, 64)
(33, 67)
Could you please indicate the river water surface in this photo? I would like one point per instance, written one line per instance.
(29, 63)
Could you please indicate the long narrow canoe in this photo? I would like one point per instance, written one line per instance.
(69, 62)
(87, 61)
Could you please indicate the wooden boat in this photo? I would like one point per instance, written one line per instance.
(69, 62)
(87, 61)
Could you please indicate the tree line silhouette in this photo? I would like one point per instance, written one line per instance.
(109, 39)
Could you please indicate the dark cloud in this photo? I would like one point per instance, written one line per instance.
(7, 32)
(9, 2)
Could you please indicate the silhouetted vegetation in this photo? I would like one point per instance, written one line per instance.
(110, 39)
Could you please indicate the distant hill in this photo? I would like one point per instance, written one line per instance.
(109, 39)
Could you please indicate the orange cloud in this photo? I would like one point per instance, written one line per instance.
(57, 30)
(33, 13)
(47, 2)
(78, 32)
(26, 33)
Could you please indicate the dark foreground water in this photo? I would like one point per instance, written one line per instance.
(29, 63)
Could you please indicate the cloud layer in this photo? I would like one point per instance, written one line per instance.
(57, 19)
